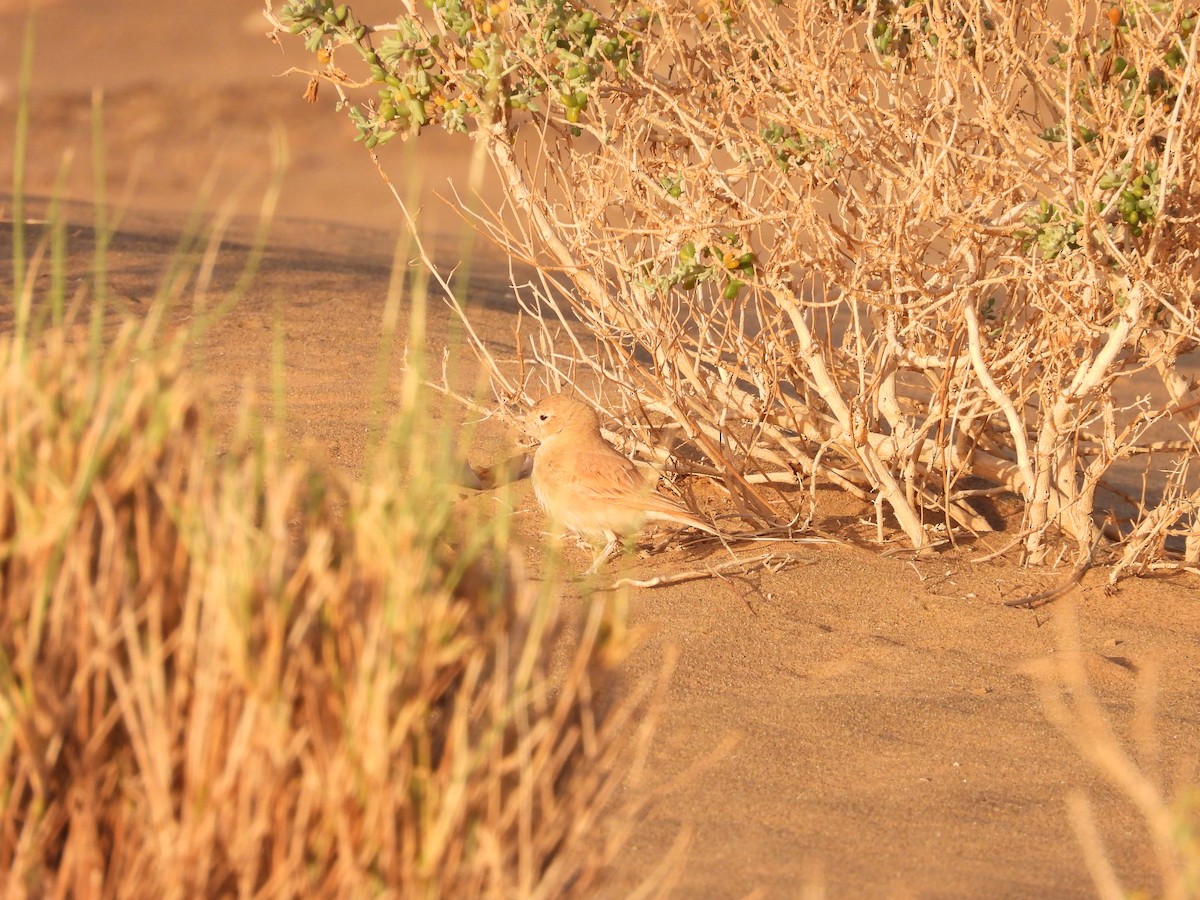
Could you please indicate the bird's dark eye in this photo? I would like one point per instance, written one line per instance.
(544, 416)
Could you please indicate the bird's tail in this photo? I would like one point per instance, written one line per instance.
(666, 511)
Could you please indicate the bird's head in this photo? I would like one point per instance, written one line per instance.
(560, 413)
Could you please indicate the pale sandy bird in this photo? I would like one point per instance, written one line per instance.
(586, 485)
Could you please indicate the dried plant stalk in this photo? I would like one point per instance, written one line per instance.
(1072, 705)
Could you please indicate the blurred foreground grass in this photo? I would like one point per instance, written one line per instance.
(233, 671)
(225, 667)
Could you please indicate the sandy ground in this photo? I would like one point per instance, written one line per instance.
(860, 724)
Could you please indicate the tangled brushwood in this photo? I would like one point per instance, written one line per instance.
(923, 251)
(227, 673)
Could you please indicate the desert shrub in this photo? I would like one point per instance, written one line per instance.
(926, 252)
(223, 672)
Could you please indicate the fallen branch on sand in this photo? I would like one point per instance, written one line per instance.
(769, 562)
(1033, 601)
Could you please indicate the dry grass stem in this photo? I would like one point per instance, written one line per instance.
(1077, 711)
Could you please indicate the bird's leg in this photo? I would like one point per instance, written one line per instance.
(613, 543)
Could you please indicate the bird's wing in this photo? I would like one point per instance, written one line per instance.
(607, 475)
